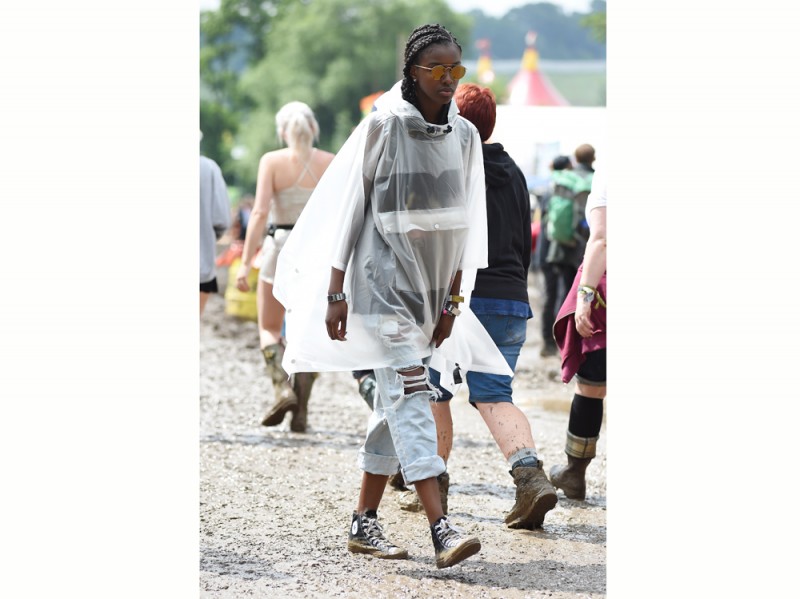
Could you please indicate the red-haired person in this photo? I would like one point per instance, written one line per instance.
(500, 301)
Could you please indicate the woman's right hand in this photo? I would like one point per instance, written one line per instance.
(336, 320)
(241, 277)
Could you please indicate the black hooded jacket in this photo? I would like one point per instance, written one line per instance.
(508, 215)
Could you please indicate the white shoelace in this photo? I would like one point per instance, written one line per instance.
(374, 533)
(448, 534)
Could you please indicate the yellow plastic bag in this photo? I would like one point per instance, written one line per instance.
(240, 303)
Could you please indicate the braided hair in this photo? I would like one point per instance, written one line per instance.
(418, 41)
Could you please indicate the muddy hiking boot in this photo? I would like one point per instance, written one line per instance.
(571, 478)
(301, 385)
(535, 497)
(285, 397)
(451, 544)
(409, 501)
(397, 482)
(366, 536)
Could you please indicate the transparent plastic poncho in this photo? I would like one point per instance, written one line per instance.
(400, 209)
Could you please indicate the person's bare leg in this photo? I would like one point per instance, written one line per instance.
(444, 428)
(203, 300)
(535, 496)
(428, 491)
(270, 315)
(596, 391)
(372, 486)
(509, 426)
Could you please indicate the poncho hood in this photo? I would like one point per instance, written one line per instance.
(416, 125)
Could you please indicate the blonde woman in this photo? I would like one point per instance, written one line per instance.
(286, 179)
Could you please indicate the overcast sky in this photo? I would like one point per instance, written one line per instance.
(496, 8)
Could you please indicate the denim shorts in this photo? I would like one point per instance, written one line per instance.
(508, 333)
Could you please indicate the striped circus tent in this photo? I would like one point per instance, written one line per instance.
(531, 87)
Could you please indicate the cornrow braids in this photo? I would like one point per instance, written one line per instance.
(418, 41)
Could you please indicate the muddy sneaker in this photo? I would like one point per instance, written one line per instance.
(366, 536)
(535, 497)
(451, 545)
(409, 501)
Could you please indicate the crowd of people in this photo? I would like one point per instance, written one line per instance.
(404, 259)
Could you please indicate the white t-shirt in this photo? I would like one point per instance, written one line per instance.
(597, 197)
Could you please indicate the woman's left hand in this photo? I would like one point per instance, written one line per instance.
(443, 329)
(583, 318)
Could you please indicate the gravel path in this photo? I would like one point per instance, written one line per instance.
(275, 505)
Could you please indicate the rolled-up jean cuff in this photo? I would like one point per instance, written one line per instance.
(424, 468)
(385, 465)
(491, 399)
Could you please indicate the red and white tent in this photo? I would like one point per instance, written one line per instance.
(531, 87)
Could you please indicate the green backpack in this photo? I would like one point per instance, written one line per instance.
(561, 217)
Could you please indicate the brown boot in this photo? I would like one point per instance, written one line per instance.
(301, 385)
(571, 478)
(285, 398)
(409, 501)
(535, 497)
(397, 482)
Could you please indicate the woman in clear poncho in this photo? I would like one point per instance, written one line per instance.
(399, 223)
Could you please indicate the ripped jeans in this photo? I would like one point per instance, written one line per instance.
(401, 431)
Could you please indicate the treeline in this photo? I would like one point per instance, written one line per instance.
(255, 56)
(560, 36)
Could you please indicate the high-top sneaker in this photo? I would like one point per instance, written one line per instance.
(535, 497)
(366, 536)
(451, 544)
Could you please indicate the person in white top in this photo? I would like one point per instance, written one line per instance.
(580, 333)
(286, 179)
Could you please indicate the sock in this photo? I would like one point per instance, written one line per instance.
(585, 416)
(524, 457)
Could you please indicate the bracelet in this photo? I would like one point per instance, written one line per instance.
(451, 310)
(336, 297)
(589, 294)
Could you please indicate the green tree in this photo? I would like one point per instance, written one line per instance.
(330, 54)
(596, 21)
(231, 38)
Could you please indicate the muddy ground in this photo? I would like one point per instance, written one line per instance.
(275, 506)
